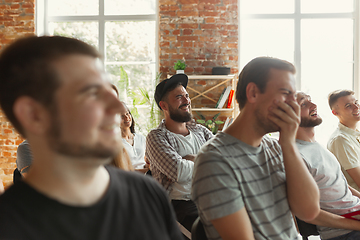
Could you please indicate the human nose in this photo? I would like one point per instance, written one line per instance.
(113, 103)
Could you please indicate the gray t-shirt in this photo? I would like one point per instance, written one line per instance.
(23, 157)
(335, 195)
(230, 175)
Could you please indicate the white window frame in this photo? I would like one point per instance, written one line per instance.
(42, 20)
(297, 16)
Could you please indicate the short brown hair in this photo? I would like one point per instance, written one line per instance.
(257, 71)
(335, 95)
(26, 70)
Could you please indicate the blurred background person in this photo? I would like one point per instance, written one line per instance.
(134, 143)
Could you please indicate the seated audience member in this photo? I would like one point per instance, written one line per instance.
(23, 158)
(336, 197)
(247, 185)
(344, 143)
(171, 148)
(73, 130)
(134, 143)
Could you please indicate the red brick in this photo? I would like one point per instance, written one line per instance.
(188, 1)
(233, 58)
(209, 26)
(6, 154)
(232, 45)
(187, 44)
(177, 56)
(168, 51)
(187, 14)
(209, 14)
(187, 32)
(210, 1)
(14, 6)
(164, 44)
(8, 131)
(167, 2)
(210, 20)
(189, 25)
(168, 13)
(176, 32)
(187, 38)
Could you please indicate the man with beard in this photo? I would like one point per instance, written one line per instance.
(344, 143)
(336, 197)
(55, 93)
(171, 148)
(245, 183)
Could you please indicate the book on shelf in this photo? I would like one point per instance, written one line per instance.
(223, 97)
(217, 104)
(231, 95)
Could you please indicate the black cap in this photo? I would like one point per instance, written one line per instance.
(163, 86)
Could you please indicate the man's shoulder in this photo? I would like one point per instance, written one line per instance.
(132, 180)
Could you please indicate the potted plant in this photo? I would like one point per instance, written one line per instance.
(180, 67)
(211, 124)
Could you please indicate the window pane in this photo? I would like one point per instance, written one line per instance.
(266, 6)
(85, 31)
(327, 6)
(130, 41)
(327, 64)
(73, 7)
(131, 7)
(274, 38)
(140, 82)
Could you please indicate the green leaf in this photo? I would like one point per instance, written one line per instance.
(200, 115)
(216, 116)
(201, 121)
(219, 122)
(208, 122)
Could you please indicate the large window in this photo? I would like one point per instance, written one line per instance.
(125, 34)
(319, 36)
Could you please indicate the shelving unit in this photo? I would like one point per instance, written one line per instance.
(205, 91)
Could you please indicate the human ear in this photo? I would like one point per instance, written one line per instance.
(334, 112)
(252, 92)
(32, 115)
(163, 105)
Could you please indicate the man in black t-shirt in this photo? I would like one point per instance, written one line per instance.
(55, 93)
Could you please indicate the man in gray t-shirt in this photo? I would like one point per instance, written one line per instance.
(336, 196)
(245, 184)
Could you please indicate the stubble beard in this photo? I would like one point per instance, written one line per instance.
(59, 145)
(308, 122)
(263, 124)
(178, 116)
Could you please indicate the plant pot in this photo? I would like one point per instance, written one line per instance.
(180, 71)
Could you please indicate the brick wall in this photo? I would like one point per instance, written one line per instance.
(16, 20)
(204, 33)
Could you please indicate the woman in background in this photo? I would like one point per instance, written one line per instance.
(134, 143)
(122, 159)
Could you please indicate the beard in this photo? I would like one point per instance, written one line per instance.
(308, 122)
(179, 116)
(265, 125)
(78, 150)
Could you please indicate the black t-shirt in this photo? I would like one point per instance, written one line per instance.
(134, 207)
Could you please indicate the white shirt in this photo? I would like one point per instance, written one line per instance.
(187, 145)
(344, 143)
(137, 151)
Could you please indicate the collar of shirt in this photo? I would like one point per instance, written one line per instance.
(350, 131)
(191, 125)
